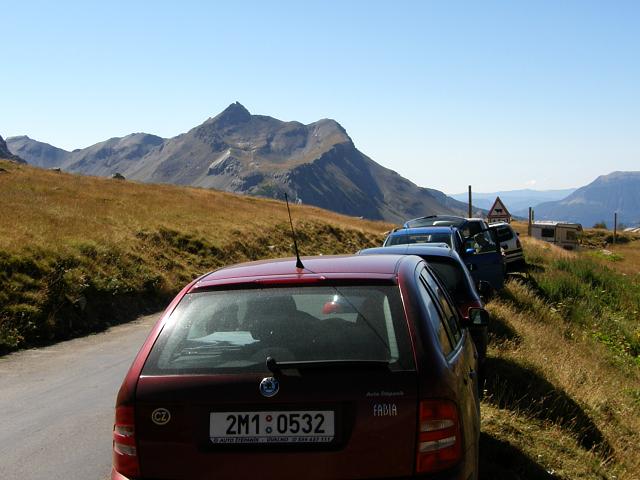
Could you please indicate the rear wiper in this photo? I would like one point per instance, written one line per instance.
(276, 367)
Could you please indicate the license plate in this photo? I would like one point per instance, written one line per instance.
(305, 426)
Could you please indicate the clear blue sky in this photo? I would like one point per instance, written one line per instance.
(499, 94)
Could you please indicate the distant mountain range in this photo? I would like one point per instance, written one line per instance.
(516, 201)
(5, 153)
(236, 151)
(617, 192)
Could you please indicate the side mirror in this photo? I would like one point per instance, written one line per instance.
(470, 251)
(478, 317)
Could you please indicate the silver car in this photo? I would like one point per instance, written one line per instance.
(509, 242)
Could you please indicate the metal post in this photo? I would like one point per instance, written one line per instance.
(615, 227)
(470, 209)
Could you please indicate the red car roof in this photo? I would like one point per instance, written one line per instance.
(283, 270)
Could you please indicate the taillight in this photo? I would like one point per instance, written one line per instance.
(439, 438)
(125, 454)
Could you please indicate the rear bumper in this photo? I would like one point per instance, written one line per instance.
(456, 475)
(512, 256)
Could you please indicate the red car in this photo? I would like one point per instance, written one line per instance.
(351, 367)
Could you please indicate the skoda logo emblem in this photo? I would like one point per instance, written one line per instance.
(269, 386)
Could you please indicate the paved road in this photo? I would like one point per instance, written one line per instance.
(56, 405)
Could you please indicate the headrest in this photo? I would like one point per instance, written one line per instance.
(271, 305)
(268, 315)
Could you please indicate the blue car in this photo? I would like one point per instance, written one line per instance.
(475, 244)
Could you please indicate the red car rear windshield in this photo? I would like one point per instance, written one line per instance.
(236, 330)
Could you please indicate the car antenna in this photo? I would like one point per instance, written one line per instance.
(293, 233)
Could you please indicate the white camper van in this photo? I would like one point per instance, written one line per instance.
(565, 235)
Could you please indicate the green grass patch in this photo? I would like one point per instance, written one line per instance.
(588, 293)
(607, 255)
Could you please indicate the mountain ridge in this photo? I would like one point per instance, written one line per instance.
(258, 155)
(615, 192)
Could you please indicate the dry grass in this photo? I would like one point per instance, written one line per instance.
(45, 208)
(79, 253)
(518, 446)
(561, 390)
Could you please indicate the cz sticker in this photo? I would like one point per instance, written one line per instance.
(160, 416)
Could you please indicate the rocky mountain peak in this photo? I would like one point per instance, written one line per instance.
(234, 114)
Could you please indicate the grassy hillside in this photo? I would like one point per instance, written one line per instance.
(80, 253)
(563, 388)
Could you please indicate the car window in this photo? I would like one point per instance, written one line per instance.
(472, 227)
(228, 331)
(434, 222)
(448, 310)
(481, 242)
(435, 317)
(504, 234)
(452, 276)
(409, 238)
